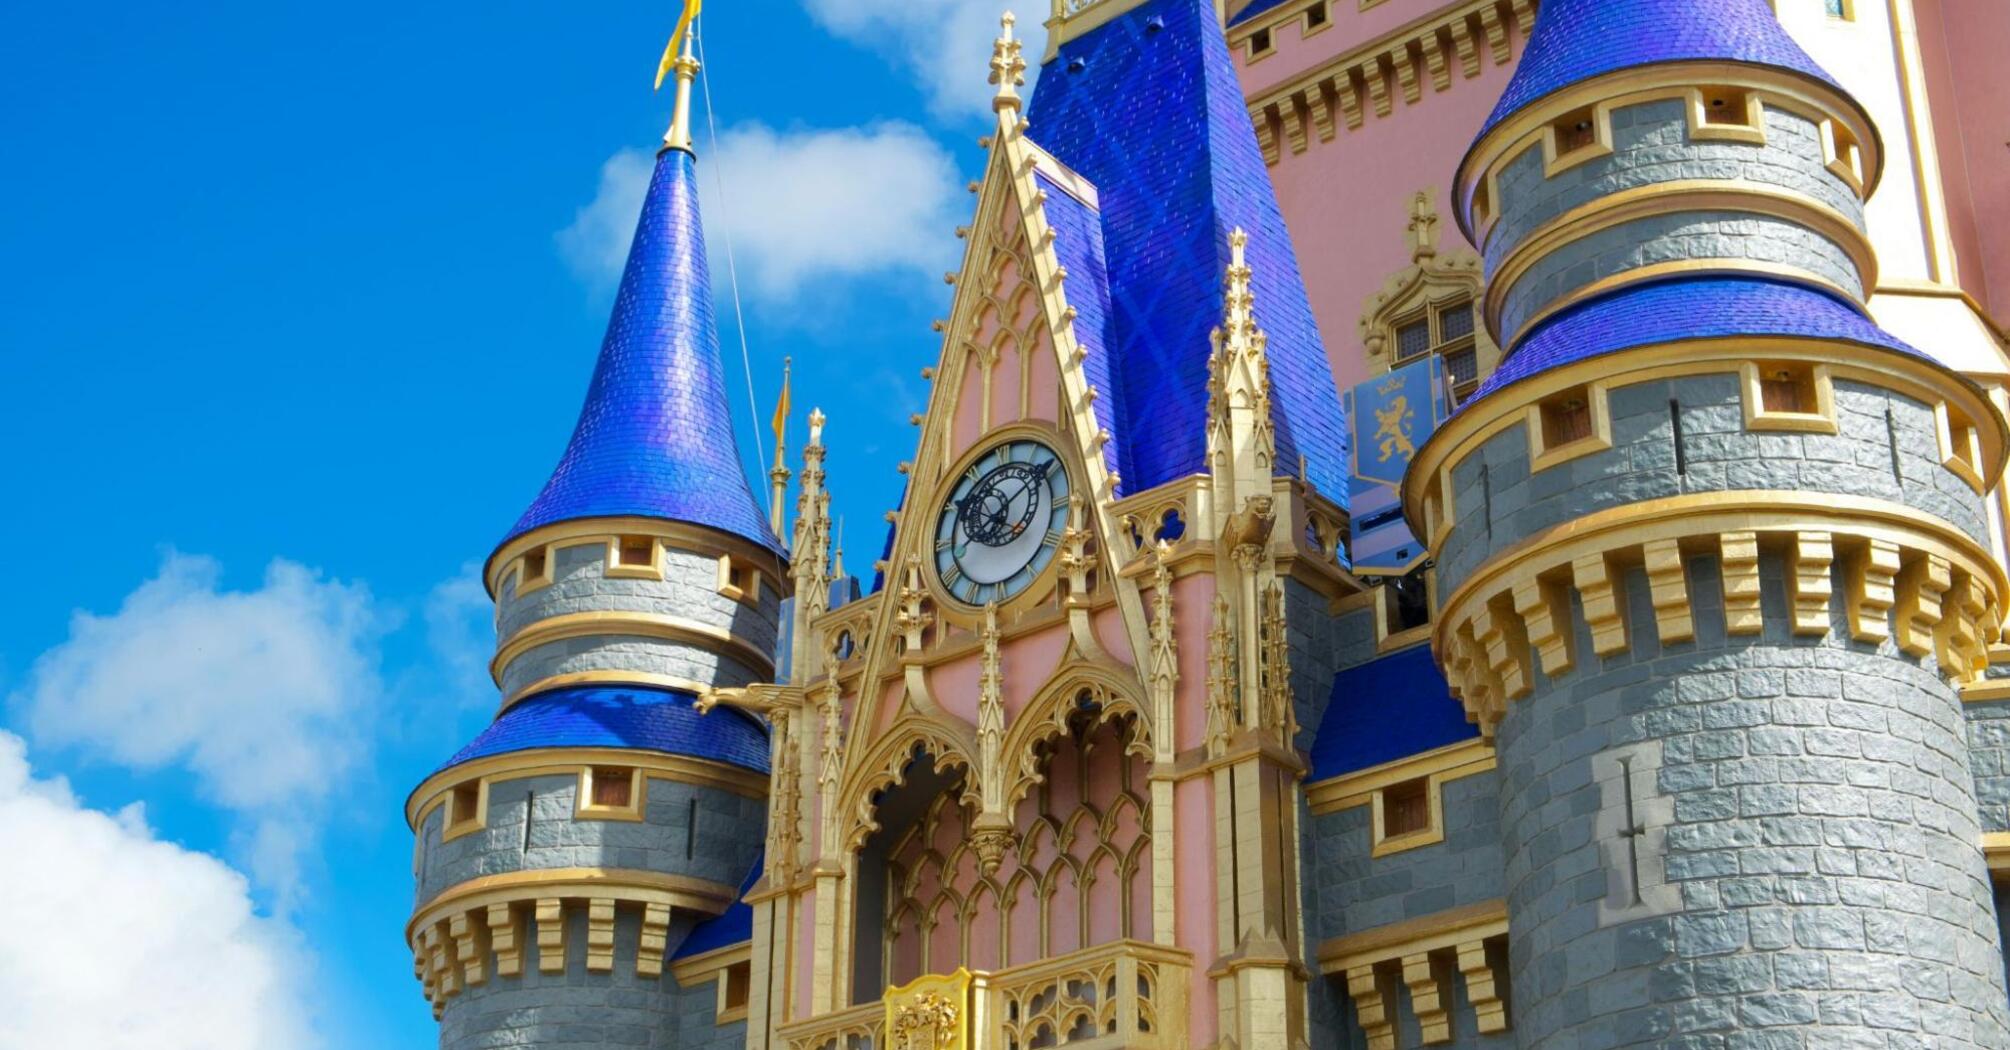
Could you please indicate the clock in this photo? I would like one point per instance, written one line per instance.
(1001, 522)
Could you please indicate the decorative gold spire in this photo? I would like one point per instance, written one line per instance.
(1008, 66)
(1242, 442)
(778, 478)
(686, 67)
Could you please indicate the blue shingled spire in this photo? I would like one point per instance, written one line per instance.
(655, 438)
(1148, 108)
(1576, 40)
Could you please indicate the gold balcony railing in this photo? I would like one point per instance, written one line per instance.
(1125, 995)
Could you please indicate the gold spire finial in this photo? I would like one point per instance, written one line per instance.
(778, 478)
(681, 56)
(1008, 66)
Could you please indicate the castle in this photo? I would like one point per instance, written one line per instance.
(1298, 630)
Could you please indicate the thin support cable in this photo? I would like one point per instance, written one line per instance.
(726, 216)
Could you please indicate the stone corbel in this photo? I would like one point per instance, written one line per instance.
(1482, 986)
(1427, 1001)
(599, 935)
(1920, 586)
(1743, 613)
(1503, 639)
(506, 937)
(1604, 607)
(442, 959)
(1544, 607)
(1809, 584)
(471, 947)
(654, 941)
(1958, 640)
(1870, 595)
(1371, 1007)
(550, 915)
(1668, 586)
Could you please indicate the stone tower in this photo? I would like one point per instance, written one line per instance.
(1713, 556)
(604, 825)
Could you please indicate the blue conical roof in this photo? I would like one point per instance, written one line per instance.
(655, 437)
(1576, 40)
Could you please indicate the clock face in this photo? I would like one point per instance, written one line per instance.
(1002, 522)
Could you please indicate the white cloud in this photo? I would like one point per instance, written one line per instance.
(806, 209)
(116, 940)
(945, 44)
(267, 696)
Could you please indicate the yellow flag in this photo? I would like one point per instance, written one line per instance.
(781, 420)
(676, 40)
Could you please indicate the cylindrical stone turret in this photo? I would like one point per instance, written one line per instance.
(606, 819)
(1714, 558)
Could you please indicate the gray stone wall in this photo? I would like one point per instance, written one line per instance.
(1321, 644)
(1668, 238)
(689, 590)
(1989, 757)
(729, 835)
(577, 1010)
(1509, 503)
(1650, 144)
(1357, 892)
(1804, 869)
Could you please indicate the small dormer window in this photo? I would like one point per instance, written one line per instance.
(1568, 424)
(466, 809)
(1316, 17)
(634, 556)
(1789, 395)
(1724, 106)
(533, 570)
(1960, 444)
(610, 793)
(1577, 130)
(739, 580)
(1260, 43)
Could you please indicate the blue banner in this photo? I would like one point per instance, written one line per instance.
(1392, 416)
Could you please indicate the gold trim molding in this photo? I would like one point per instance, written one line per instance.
(517, 765)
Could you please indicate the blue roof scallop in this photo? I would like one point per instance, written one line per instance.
(1676, 310)
(655, 437)
(623, 717)
(1386, 709)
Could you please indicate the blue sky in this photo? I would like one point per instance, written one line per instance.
(297, 303)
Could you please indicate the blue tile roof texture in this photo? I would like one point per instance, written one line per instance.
(655, 438)
(1577, 40)
(623, 717)
(733, 926)
(1676, 310)
(1078, 245)
(1387, 709)
(1148, 108)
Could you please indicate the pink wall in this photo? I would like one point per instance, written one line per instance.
(1961, 43)
(1347, 201)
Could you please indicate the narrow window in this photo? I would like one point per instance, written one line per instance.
(1406, 808)
(638, 550)
(467, 802)
(1575, 131)
(1784, 388)
(739, 981)
(1409, 601)
(1315, 16)
(529, 811)
(691, 824)
(613, 787)
(535, 564)
(1726, 106)
(1891, 436)
(1412, 339)
(1565, 419)
(1675, 430)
